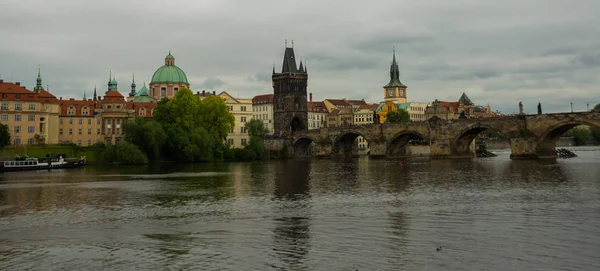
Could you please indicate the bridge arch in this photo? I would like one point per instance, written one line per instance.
(396, 147)
(346, 144)
(461, 144)
(302, 147)
(546, 143)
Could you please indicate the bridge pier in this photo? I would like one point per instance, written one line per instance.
(440, 148)
(523, 148)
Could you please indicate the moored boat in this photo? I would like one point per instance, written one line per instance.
(48, 162)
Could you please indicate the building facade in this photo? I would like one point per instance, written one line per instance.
(167, 80)
(317, 114)
(241, 108)
(262, 109)
(290, 108)
(31, 116)
(463, 108)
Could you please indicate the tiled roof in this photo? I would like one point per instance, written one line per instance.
(337, 102)
(356, 102)
(114, 96)
(263, 99)
(16, 92)
(78, 105)
(318, 107)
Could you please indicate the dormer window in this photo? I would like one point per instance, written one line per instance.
(71, 111)
(85, 110)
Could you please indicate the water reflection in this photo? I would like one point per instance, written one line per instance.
(292, 219)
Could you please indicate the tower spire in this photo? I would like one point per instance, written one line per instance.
(132, 93)
(38, 85)
(84, 96)
(95, 96)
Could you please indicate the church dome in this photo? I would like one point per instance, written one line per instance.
(169, 73)
(596, 108)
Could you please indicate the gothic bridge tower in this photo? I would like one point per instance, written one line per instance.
(290, 110)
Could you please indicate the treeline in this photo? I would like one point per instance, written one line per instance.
(185, 128)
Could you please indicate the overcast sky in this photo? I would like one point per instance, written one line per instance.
(498, 52)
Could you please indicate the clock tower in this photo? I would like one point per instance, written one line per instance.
(394, 91)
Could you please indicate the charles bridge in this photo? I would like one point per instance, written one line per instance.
(529, 136)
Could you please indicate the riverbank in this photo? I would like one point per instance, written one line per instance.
(91, 153)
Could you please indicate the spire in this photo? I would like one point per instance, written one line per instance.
(132, 93)
(301, 69)
(273, 68)
(84, 97)
(95, 96)
(394, 73)
(38, 85)
(289, 61)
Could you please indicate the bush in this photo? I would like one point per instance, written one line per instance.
(124, 153)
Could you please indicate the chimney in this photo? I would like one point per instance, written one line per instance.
(60, 98)
(310, 95)
(18, 83)
(72, 99)
(203, 92)
(1, 81)
(214, 92)
(197, 92)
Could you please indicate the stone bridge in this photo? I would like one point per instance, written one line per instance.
(530, 136)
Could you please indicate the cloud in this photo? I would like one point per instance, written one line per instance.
(498, 52)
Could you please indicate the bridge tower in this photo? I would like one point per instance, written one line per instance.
(290, 111)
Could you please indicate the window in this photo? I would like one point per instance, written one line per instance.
(118, 131)
(98, 121)
(60, 131)
(71, 111)
(31, 129)
(4, 117)
(243, 119)
(230, 141)
(243, 109)
(31, 117)
(70, 131)
(243, 130)
(175, 91)
(231, 131)
(142, 112)
(231, 108)
(89, 142)
(18, 106)
(79, 143)
(163, 92)
(17, 117)
(17, 129)
(243, 141)
(30, 141)
(118, 121)
(70, 121)
(4, 106)
(80, 132)
(98, 131)
(61, 121)
(89, 131)
(31, 106)
(85, 110)
(89, 121)
(17, 141)
(80, 121)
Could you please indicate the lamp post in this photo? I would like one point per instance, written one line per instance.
(588, 106)
(571, 107)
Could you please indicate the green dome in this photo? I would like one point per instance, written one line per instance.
(170, 56)
(144, 99)
(169, 74)
(143, 91)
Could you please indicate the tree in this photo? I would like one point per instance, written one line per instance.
(123, 153)
(39, 139)
(255, 150)
(400, 116)
(580, 135)
(595, 134)
(147, 134)
(256, 128)
(4, 136)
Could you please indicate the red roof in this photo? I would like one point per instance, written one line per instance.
(357, 102)
(368, 106)
(114, 96)
(263, 99)
(16, 92)
(147, 106)
(78, 105)
(317, 107)
(337, 102)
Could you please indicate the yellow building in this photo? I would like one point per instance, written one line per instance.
(241, 108)
(31, 116)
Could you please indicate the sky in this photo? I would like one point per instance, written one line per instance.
(497, 52)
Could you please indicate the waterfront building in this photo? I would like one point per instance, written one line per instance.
(365, 114)
(31, 116)
(241, 108)
(168, 79)
(317, 114)
(463, 108)
(262, 109)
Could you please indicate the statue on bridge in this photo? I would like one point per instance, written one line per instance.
(539, 108)
(520, 108)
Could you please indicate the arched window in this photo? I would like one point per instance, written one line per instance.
(85, 110)
(142, 112)
(71, 111)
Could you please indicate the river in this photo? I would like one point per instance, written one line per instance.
(321, 214)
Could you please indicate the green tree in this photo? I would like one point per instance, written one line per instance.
(255, 149)
(215, 117)
(4, 136)
(147, 134)
(595, 134)
(124, 153)
(256, 128)
(580, 135)
(400, 116)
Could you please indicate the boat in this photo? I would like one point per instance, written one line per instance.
(51, 161)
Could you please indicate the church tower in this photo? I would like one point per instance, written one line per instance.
(394, 91)
(38, 85)
(290, 108)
